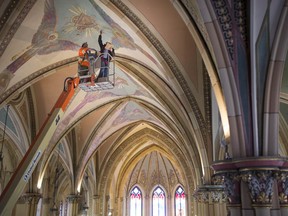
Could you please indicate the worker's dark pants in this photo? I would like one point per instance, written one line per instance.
(104, 71)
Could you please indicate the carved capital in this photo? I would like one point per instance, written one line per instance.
(31, 198)
(73, 198)
(282, 180)
(210, 194)
(231, 183)
(260, 183)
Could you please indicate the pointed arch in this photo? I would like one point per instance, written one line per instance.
(180, 201)
(136, 201)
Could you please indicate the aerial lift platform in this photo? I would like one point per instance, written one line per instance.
(88, 81)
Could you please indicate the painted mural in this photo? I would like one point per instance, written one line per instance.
(124, 86)
(65, 25)
(129, 113)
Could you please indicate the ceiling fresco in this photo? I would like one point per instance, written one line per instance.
(62, 26)
(47, 42)
(53, 32)
(85, 102)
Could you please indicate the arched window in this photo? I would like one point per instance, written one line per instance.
(135, 202)
(180, 208)
(158, 204)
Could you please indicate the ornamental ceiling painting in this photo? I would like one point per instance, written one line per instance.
(148, 102)
(63, 27)
(56, 37)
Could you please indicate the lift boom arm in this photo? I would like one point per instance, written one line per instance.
(24, 171)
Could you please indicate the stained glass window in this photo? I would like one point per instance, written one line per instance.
(158, 204)
(180, 202)
(135, 202)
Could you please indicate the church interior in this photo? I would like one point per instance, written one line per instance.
(191, 120)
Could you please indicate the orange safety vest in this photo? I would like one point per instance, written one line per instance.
(83, 60)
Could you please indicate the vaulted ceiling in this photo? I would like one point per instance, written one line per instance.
(161, 91)
(161, 101)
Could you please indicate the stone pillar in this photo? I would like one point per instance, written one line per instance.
(116, 206)
(95, 205)
(46, 206)
(260, 184)
(231, 182)
(147, 203)
(119, 206)
(73, 204)
(54, 210)
(211, 200)
(32, 200)
(107, 208)
(169, 206)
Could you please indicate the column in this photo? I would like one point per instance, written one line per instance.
(231, 182)
(260, 183)
(95, 205)
(73, 204)
(32, 200)
(45, 210)
(169, 206)
(117, 206)
(120, 206)
(54, 210)
(211, 200)
(147, 203)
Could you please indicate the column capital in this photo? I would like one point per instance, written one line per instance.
(282, 180)
(210, 194)
(31, 198)
(260, 184)
(73, 198)
(231, 182)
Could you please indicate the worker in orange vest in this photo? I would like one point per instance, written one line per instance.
(83, 59)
